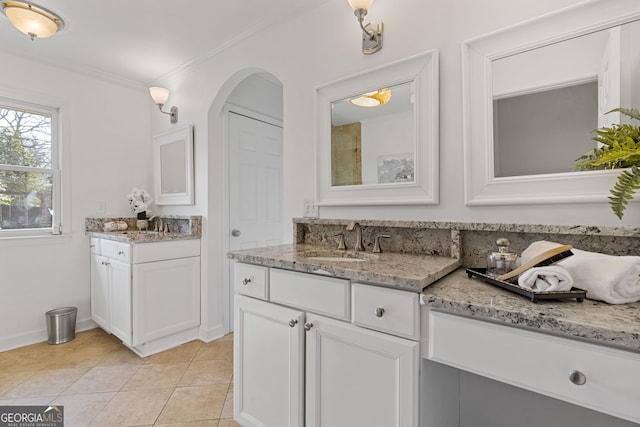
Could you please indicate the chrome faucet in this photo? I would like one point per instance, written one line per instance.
(158, 226)
(358, 245)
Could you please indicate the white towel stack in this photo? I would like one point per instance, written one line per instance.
(547, 279)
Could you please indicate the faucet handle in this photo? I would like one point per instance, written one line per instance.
(376, 244)
(341, 243)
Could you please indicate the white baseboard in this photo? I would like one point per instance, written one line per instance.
(32, 337)
(208, 335)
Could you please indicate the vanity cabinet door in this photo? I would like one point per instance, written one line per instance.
(268, 364)
(120, 306)
(358, 377)
(100, 291)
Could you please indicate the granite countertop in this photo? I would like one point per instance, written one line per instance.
(614, 325)
(134, 236)
(397, 270)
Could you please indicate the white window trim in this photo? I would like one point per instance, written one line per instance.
(55, 169)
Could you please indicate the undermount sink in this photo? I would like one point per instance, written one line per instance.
(340, 256)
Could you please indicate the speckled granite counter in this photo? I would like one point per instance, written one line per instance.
(183, 227)
(616, 325)
(402, 271)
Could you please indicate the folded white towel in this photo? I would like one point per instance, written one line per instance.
(613, 279)
(549, 278)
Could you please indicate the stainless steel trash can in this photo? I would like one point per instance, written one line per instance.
(61, 324)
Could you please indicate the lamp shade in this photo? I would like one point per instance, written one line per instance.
(31, 19)
(360, 4)
(159, 94)
(372, 99)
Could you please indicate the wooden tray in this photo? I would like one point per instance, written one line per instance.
(535, 296)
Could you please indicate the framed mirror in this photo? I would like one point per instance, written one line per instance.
(173, 167)
(534, 93)
(385, 151)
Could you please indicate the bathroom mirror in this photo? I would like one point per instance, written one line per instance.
(533, 94)
(173, 167)
(380, 155)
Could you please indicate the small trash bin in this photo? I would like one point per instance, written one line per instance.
(61, 324)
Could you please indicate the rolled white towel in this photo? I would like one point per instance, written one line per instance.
(548, 278)
(608, 278)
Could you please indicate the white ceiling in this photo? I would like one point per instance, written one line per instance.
(143, 40)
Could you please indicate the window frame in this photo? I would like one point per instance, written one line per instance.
(54, 169)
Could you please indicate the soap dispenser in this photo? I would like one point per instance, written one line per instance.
(502, 261)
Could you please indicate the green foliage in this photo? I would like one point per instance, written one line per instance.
(619, 147)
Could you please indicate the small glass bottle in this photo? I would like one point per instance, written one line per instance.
(502, 261)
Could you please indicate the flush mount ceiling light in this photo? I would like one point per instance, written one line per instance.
(372, 99)
(33, 20)
(371, 33)
(160, 96)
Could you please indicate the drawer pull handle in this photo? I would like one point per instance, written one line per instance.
(577, 377)
(308, 326)
(120, 252)
(293, 322)
(246, 281)
(379, 312)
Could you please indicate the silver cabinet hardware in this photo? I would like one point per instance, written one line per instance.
(235, 233)
(120, 252)
(376, 243)
(293, 322)
(577, 377)
(379, 311)
(308, 326)
(246, 281)
(341, 244)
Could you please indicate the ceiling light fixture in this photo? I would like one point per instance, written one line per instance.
(371, 33)
(372, 99)
(160, 96)
(33, 20)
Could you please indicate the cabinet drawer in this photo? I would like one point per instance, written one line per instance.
(251, 280)
(540, 362)
(386, 310)
(94, 245)
(116, 250)
(311, 292)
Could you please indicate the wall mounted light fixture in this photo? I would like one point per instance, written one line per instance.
(371, 33)
(31, 19)
(160, 96)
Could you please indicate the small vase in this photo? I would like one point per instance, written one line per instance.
(142, 224)
(142, 215)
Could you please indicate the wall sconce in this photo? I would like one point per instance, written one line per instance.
(160, 96)
(371, 33)
(32, 20)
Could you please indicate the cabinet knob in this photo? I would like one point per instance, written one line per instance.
(577, 377)
(246, 281)
(235, 233)
(120, 252)
(293, 322)
(379, 312)
(308, 326)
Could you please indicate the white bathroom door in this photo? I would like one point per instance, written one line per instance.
(255, 185)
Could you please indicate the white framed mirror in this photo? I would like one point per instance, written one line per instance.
(173, 167)
(533, 94)
(384, 155)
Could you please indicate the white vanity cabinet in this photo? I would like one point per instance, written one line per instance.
(300, 361)
(146, 294)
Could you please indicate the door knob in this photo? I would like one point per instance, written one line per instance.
(235, 232)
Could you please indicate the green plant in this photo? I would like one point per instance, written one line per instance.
(619, 147)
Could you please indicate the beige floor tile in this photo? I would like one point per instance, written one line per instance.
(228, 337)
(207, 372)
(20, 361)
(9, 380)
(216, 350)
(80, 409)
(46, 383)
(204, 423)
(102, 379)
(194, 404)
(183, 353)
(39, 400)
(133, 408)
(228, 423)
(227, 409)
(121, 356)
(156, 376)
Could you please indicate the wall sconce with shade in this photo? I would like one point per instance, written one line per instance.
(31, 19)
(160, 96)
(372, 32)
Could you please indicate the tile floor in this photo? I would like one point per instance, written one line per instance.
(102, 383)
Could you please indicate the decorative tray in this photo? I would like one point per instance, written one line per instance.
(535, 296)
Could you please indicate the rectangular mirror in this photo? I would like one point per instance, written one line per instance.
(533, 95)
(173, 167)
(383, 154)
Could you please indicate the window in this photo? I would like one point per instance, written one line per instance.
(29, 171)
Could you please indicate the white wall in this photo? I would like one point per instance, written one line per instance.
(106, 138)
